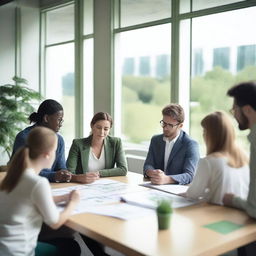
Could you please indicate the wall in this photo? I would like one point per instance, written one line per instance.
(7, 43)
(19, 45)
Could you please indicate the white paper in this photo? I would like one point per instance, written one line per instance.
(122, 211)
(169, 188)
(103, 191)
(150, 199)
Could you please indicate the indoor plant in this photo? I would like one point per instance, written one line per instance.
(15, 108)
(164, 212)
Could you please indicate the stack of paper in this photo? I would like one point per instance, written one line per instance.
(169, 188)
(150, 199)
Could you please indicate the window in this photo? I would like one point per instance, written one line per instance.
(141, 11)
(60, 84)
(60, 25)
(145, 60)
(195, 5)
(59, 65)
(223, 53)
(211, 52)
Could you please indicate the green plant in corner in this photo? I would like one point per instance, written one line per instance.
(15, 107)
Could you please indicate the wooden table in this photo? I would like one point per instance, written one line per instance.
(186, 236)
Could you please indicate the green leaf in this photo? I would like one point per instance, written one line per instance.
(16, 104)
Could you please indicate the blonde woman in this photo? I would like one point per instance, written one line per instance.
(25, 197)
(225, 168)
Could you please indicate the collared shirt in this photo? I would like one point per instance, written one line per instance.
(168, 148)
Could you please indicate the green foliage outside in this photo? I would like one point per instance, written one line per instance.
(144, 98)
(15, 107)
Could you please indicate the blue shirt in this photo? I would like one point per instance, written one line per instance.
(59, 162)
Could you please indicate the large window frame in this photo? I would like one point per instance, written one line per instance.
(83, 86)
(181, 51)
(105, 35)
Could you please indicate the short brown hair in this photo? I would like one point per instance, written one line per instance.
(101, 116)
(175, 111)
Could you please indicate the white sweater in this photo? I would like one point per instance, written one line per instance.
(22, 212)
(214, 177)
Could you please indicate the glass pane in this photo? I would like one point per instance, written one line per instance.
(185, 6)
(145, 63)
(140, 11)
(88, 85)
(202, 4)
(60, 25)
(88, 17)
(184, 67)
(7, 43)
(223, 54)
(60, 85)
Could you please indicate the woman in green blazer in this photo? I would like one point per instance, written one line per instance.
(98, 155)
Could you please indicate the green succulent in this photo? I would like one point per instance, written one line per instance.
(164, 206)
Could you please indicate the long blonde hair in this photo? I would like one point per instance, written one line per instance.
(40, 140)
(220, 138)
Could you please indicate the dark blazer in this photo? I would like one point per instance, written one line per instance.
(182, 161)
(78, 157)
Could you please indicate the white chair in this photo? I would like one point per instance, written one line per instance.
(135, 159)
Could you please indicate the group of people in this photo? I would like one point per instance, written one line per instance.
(222, 177)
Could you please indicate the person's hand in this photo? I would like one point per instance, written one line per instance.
(158, 177)
(227, 199)
(63, 176)
(153, 173)
(74, 196)
(86, 178)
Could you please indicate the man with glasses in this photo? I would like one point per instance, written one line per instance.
(173, 155)
(244, 111)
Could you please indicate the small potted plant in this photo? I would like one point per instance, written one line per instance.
(164, 212)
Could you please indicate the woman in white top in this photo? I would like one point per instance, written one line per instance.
(225, 168)
(25, 197)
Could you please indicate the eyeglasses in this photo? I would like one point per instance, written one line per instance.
(60, 121)
(163, 124)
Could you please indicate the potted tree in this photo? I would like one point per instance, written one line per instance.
(164, 212)
(15, 107)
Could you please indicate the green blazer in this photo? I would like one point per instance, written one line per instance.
(115, 160)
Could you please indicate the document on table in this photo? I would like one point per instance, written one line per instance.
(150, 199)
(122, 211)
(102, 191)
(169, 188)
